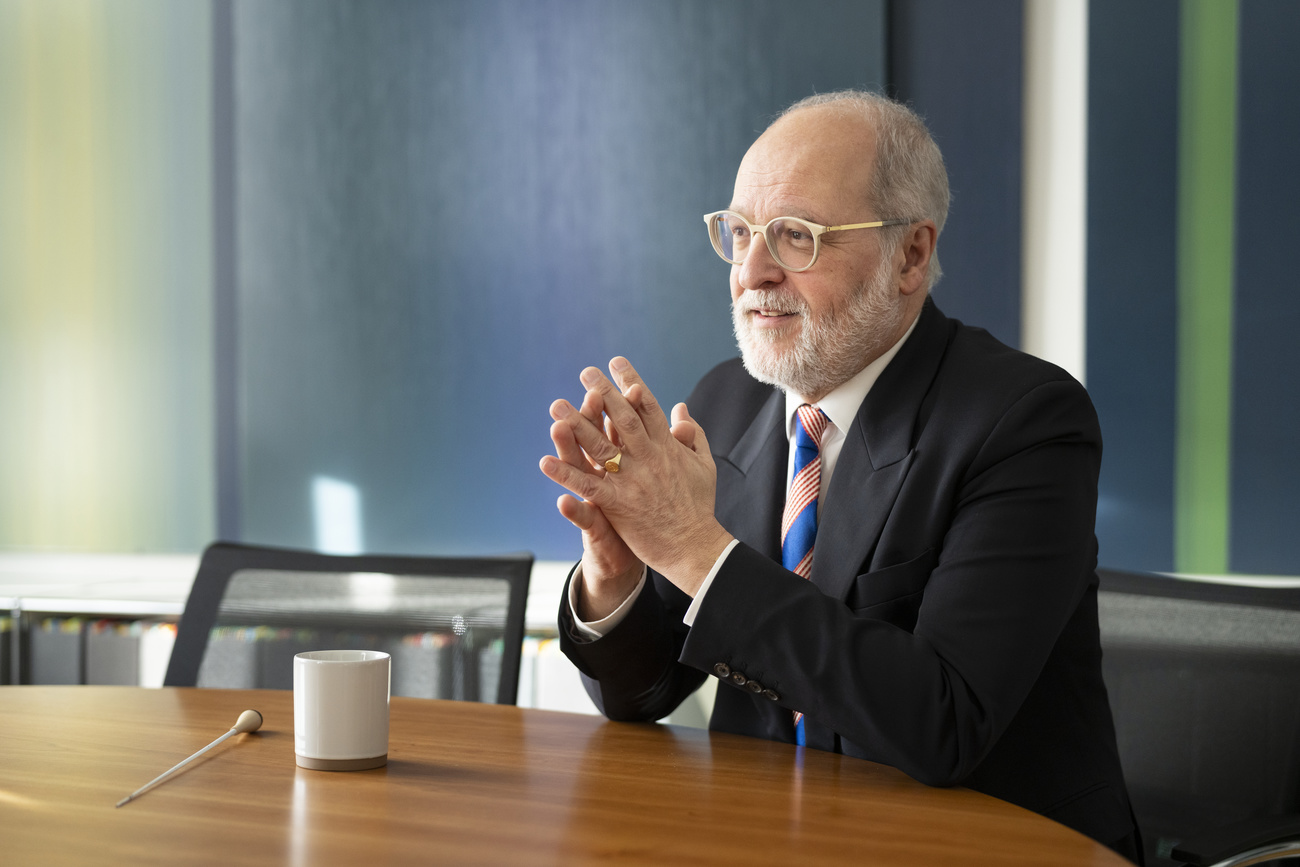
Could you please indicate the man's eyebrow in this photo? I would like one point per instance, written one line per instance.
(791, 212)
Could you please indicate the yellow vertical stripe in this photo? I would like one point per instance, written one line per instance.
(103, 238)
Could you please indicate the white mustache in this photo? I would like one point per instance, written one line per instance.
(771, 302)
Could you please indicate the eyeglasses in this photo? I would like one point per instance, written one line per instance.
(793, 243)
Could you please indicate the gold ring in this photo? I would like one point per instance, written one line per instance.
(611, 465)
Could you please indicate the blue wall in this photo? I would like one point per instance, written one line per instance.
(1265, 498)
(1132, 311)
(959, 64)
(443, 211)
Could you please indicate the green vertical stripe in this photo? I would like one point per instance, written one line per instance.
(1206, 182)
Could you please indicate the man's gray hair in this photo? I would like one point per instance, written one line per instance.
(909, 180)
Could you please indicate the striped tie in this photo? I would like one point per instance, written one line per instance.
(799, 523)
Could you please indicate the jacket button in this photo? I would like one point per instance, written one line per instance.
(771, 694)
(722, 669)
(754, 686)
(738, 678)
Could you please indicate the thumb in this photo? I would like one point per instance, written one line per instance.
(687, 430)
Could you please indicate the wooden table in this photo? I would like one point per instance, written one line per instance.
(468, 784)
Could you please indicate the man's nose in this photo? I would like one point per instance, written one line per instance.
(759, 268)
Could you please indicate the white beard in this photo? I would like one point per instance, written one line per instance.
(829, 350)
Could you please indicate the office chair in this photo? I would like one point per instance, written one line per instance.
(1204, 683)
(454, 626)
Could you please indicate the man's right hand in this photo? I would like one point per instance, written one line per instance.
(610, 571)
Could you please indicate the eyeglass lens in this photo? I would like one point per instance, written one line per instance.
(790, 241)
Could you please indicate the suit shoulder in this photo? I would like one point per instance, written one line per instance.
(727, 399)
(984, 378)
(976, 355)
(729, 382)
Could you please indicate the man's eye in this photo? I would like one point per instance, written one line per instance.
(796, 236)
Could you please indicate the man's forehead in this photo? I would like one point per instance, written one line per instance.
(812, 160)
(783, 194)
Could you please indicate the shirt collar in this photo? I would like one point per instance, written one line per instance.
(842, 404)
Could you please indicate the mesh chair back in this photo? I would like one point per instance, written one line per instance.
(453, 626)
(1204, 682)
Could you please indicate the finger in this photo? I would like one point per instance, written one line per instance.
(683, 431)
(560, 408)
(626, 420)
(593, 407)
(590, 438)
(593, 410)
(687, 430)
(595, 527)
(638, 394)
(567, 449)
(612, 433)
(580, 483)
(579, 513)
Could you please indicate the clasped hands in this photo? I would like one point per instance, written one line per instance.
(657, 510)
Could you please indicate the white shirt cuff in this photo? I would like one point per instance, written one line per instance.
(689, 619)
(600, 628)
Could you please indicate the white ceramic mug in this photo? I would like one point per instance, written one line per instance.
(340, 709)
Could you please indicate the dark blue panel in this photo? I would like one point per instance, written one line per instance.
(1132, 324)
(447, 209)
(959, 64)
(1266, 367)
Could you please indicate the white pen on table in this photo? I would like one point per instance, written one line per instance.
(249, 721)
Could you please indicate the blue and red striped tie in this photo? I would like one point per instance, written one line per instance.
(799, 522)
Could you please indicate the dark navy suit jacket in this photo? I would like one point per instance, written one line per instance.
(949, 627)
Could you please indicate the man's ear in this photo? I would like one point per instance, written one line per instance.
(917, 247)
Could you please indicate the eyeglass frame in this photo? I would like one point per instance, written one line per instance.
(817, 231)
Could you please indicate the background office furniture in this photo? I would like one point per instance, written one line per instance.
(151, 589)
(471, 783)
(1204, 681)
(453, 625)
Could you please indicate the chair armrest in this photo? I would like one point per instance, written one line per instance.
(1241, 843)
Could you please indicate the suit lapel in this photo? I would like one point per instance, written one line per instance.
(847, 536)
(750, 502)
(876, 456)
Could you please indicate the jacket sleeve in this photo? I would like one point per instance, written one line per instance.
(632, 673)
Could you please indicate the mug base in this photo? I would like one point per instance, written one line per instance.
(341, 764)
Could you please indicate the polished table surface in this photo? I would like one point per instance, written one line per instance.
(467, 784)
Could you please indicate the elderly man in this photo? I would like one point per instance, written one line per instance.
(876, 529)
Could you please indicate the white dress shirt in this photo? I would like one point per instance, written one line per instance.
(841, 408)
